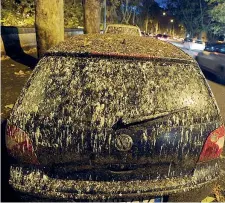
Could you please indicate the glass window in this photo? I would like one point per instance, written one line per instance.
(100, 91)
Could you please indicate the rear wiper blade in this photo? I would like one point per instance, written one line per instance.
(121, 123)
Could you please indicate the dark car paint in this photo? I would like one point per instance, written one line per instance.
(211, 60)
(6, 189)
(211, 47)
(164, 147)
(187, 40)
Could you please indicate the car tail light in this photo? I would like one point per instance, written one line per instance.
(213, 146)
(19, 145)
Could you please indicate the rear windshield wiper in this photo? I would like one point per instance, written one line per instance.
(121, 123)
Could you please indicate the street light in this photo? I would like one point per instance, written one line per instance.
(171, 20)
(164, 13)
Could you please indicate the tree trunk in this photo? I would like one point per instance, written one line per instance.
(92, 16)
(156, 26)
(49, 24)
(146, 25)
(104, 19)
(133, 20)
(202, 24)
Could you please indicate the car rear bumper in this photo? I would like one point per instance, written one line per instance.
(37, 184)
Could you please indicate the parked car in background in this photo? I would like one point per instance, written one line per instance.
(211, 47)
(143, 33)
(181, 39)
(108, 117)
(212, 59)
(163, 37)
(123, 29)
(194, 45)
(187, 39)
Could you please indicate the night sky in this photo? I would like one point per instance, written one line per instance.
(162, 3)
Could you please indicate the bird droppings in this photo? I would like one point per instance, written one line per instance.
(87, 92)
(111, 44)
(68, 190)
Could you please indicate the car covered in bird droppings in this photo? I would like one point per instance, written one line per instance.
(109, 117)
(123, 29)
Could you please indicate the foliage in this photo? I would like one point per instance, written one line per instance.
(73, 13)
(130, 11)
(192, 14)
(200, 15)
(217, 14)
(127, 8)
(149, 14)
(121, 11)
(112, 11)
(21, 13)
(145, 8)
(17, 13)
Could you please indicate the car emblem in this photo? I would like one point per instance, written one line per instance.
(123, 142)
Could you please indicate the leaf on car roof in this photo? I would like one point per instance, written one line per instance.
(208, 199)
(9, 106)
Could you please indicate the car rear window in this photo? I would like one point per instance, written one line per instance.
(188, 40)
(198, 42)
(221, 49)
(123, 30)
(103, 90)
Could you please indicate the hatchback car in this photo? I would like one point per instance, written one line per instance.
(104, 118)
(163, 37)
(187, 39)
(212, 47)
(212, 59)
(123, 29)
(196, 45)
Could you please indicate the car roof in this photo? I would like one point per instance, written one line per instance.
(122, 25)
(214, 44)
(119, 46)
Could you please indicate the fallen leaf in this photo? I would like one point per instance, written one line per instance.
(9, 106)
(19, 73)
(4, 57)
(86, 42)
(208, 199)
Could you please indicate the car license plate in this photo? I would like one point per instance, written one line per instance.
(157, 199)
(138, 200)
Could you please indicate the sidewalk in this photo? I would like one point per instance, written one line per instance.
(13, 77)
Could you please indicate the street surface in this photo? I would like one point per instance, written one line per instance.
(15, 74)
(192, 53)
